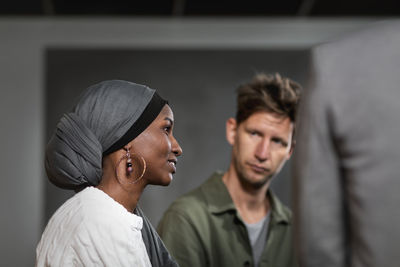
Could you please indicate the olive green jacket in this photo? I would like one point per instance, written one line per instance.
(203, 228)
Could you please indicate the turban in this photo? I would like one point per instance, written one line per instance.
(108, 116)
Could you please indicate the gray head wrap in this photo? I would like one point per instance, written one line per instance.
(107, 115)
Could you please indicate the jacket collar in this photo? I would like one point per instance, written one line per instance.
(219, 200)
(217, 195)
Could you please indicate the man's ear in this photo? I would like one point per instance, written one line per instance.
(291, 149)
(231, 127)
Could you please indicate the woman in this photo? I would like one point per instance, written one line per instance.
(118, 139)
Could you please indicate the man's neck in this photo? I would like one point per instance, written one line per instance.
(252, 203)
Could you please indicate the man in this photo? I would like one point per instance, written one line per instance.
(347, 162)
(234, 219)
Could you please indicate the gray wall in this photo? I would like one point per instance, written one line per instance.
(26, 52)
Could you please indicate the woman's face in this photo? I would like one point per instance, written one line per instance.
(159, 148)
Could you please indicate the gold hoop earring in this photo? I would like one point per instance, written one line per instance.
(129, 167)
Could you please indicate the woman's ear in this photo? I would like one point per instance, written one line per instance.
(231, 126)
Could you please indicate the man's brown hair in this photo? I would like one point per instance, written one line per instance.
(270, 93)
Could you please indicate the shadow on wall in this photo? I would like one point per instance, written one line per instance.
(200, 87)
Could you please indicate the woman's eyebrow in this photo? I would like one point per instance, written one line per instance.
(169, 119)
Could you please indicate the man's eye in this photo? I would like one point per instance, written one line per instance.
(279, 141)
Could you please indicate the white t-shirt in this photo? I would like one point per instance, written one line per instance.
(92, 229)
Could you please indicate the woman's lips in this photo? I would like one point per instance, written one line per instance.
(172, 164)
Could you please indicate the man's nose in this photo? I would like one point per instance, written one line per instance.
(263, 150)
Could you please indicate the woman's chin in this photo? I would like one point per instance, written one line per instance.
(165, 181)
(169, 180)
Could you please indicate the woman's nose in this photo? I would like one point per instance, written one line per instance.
(176, 148)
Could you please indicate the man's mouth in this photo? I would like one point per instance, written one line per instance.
(257, 168)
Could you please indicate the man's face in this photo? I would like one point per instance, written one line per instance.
(260, 146)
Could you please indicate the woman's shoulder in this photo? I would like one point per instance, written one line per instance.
(92, 210)
(85, 224)
(88, 206)
(81, 206)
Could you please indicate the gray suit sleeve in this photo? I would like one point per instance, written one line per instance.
(347, 160)
(318, 195)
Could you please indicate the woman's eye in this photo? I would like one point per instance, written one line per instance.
(167, 129)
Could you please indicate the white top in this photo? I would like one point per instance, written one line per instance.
(92, 229)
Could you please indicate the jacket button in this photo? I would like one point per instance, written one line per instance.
(246, 264)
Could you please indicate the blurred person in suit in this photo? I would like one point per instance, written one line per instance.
(346, 184)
